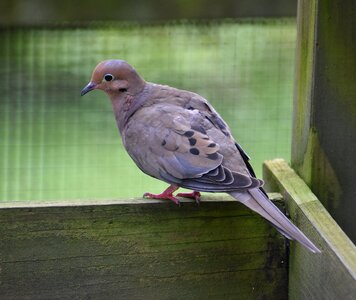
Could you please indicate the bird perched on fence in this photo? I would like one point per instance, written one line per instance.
(178, 137)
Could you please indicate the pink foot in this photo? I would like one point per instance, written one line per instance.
(162, 197)
(167, 194)
(193, 195)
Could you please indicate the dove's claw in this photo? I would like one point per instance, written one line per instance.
(167, 194)
(162, 196)
(193, 195)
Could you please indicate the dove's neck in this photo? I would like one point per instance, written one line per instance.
(125, 105)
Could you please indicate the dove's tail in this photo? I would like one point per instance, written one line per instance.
(256, 200)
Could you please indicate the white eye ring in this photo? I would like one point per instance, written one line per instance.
(108, 77)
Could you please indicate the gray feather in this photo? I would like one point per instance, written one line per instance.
(258, 202)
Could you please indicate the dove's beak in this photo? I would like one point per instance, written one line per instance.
(91, 86)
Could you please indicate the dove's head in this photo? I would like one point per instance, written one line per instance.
(116, 78)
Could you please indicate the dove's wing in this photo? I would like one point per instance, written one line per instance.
(205, 108)
(181, 146)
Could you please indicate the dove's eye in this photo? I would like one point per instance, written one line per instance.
(108, 77)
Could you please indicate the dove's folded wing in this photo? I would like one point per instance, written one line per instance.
(179, 151)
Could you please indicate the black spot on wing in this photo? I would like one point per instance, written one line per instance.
(192, 141)
(189, 133)
(163, 142)
(194, 151)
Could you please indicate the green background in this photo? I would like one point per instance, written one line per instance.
(55, 145)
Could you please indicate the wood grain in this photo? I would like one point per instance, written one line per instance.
(331, 274)
(138, 249)
(324, 114)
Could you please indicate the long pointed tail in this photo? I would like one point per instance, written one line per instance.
(256, 200)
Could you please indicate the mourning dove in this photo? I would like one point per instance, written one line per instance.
(178, 137)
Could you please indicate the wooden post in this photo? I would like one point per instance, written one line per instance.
(324, 131)
(330, 274)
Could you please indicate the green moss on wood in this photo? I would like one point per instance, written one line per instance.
(324, 132)
(331, 274)
(137, 249)
(304, 73)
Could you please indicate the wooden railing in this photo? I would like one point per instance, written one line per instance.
(147, 249)
(331, 274)
(139, 249)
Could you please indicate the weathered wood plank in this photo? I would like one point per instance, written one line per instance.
(140, 249)
(303, 86)
(331, 274)
(324, 127)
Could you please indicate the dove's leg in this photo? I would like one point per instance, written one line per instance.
(166, 194)
(193, 195)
